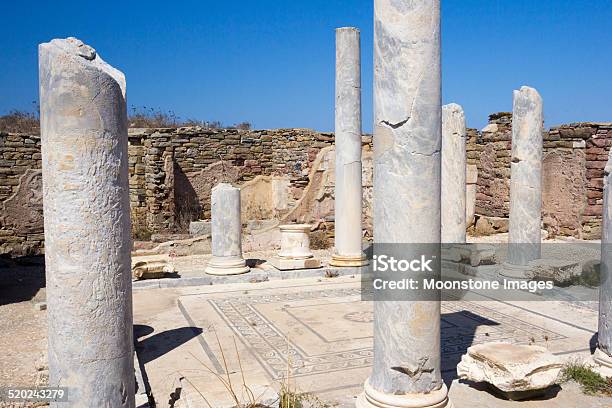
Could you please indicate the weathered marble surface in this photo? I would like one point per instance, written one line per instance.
(526, 178)
(603, 355)
(518, 371)
(348, 188)
(295, 241)
(87, 225)
(407, 163)
(454, 172)
(226, 232)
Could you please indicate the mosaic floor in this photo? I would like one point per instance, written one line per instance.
(319, 333)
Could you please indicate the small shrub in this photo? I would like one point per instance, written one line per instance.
(318, 240)
(592, 383)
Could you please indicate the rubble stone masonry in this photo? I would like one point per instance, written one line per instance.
(574, 159)
(173, 170)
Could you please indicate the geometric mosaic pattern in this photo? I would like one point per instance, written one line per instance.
(463, 323)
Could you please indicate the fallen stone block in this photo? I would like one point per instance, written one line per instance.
(517, 372)
(491, 225)
(197, 228)
(474, 254)
(560, 271)
(151, 269)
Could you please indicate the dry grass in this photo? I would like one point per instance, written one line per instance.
(288, 396)
(20, 122)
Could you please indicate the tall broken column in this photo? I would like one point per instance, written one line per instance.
(226, 231)
(454, 169)
(348, 189)
(603, 354)
(407, 142)
(524, 237)
(83, 121)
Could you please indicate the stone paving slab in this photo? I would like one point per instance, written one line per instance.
(320, 332)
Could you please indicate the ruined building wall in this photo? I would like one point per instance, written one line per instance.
(171, 174)
(21, 219)
(173, 170)
(573, 162)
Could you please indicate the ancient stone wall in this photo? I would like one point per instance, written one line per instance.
(21, 219)
(172, 172)
(573, 162)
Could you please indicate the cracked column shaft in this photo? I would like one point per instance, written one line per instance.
(603, 354)
(86, 203)
(524, 235)
(407, 142)
(454, 170)
(348, 186)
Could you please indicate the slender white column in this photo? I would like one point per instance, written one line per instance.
(87, 225)
(454, 170)
(226, 232)
(348, 188)
(407, 164)
(603, 354)
(524, 235)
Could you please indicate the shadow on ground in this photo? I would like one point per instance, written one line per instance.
(458, 330)
(21, 278)
(158, 344)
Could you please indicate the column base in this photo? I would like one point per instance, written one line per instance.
(370, 398)
(289, 264)
(346, 261)
(601, 358)
(514, 271)
(226, 266)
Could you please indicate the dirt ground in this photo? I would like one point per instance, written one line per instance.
(23, 328)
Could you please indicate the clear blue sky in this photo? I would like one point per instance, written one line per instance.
(271, 62)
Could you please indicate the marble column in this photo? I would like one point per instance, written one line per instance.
(226, 232)
(454, 169)
(407, 165)
(348, 188)
(524, 238)
(83, 121)
(603, 354)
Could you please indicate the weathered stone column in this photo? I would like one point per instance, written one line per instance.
(524, 238)
(454, 169)
(471, 181)
(348, 189)
(83, 121)
(603, 354)
(407, 164)
(226, 232)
